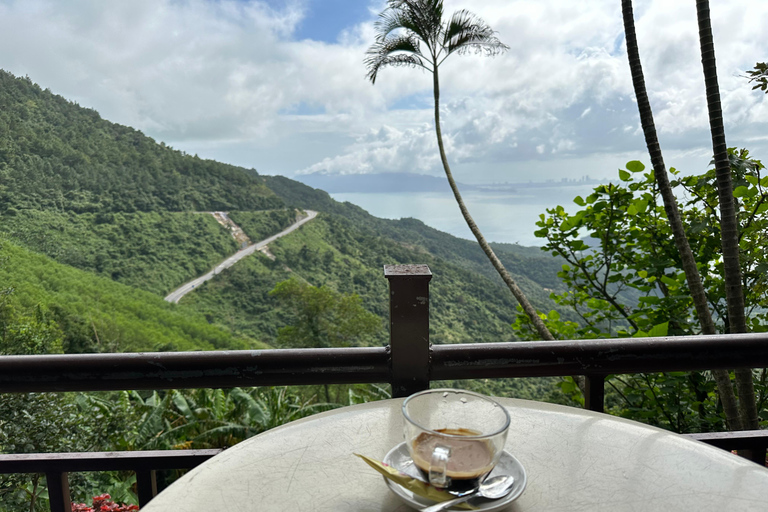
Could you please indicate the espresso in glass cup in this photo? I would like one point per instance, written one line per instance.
(454, 437)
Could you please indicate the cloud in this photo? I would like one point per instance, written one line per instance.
(231, 79)
(564, 87)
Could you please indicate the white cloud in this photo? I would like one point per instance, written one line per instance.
(228, 79)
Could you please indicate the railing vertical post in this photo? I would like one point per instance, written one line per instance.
(146, 485)
(594, 392)
(409, 327)
(58, 491)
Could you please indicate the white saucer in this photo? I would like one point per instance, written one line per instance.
(399, 459)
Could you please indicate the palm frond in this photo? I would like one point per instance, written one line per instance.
(425, 18)
(467, 31)
(391, 20)
(400, 50)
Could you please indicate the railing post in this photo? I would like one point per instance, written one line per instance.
(58, 491)
(146, 485)
(409, 327)
(594, 392)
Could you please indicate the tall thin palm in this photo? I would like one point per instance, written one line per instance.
(412, 33)
(695, 285)
(729, 227)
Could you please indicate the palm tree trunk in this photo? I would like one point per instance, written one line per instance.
(533, 315)
(729, 227)
(688, 261)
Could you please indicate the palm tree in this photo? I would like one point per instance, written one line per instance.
(729, 227)
(412, 33)
(688, 261)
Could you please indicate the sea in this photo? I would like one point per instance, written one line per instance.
(502, 216)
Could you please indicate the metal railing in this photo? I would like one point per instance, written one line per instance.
(409, 364)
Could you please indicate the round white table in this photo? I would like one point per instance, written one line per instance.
(576, 460)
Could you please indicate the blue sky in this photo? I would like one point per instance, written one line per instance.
(324, 20)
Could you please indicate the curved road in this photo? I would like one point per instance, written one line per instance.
(176, 295)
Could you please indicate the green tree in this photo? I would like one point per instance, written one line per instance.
(624, 273)
(729, 227)
(323, 317)
(670, 207)
(413, 33)
(759, 75)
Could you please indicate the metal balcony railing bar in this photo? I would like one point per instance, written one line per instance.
(251, 368)
(178, 370)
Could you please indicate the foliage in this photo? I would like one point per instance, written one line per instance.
(211, 418)
(57, 155)
(324, 317)
(759, 75)
(155, 251)
(628, 246)
(619, 241)
(263, 224)
(532, 268)
(338, 253)
(46, 422)
(96, 314)
(406, 25)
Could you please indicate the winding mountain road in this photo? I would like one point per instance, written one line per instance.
(176, 295)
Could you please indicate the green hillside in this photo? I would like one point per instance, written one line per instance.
(57, 155)
(535, 270)
(98, 314)
(331, 251)
(110, 202)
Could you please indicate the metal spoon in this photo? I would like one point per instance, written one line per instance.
(493, 488)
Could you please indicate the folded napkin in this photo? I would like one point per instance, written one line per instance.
(414, 485)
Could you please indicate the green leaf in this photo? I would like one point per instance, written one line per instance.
(642, 273)
(624, 175)
(632, 210)
(672, 283)
(579, 201)
(740, 191)
(635, 166)
(659, 330)
(764, 182)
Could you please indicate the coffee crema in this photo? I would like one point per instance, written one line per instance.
(469, 459)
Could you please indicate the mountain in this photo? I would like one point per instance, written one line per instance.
(98, 201)
(55, 155)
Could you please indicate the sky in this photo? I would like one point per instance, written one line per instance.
(280, 86)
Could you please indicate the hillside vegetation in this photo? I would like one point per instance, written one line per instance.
(57, 155)
(106, 200)
(96, 314)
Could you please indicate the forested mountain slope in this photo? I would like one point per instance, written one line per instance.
(534, 269)
(96, 314)
(106, 200)
(57, 155)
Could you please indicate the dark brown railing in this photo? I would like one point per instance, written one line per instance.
(409, 364)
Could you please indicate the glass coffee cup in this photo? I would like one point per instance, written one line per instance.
(454, 437)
